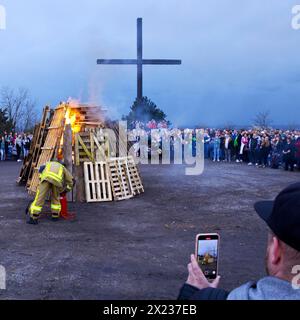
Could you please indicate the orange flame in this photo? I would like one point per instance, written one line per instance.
(72, 118)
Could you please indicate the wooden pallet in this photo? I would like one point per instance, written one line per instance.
(120, 179)
(38, 139)
(84, 148)
(88, 116)
(135, 177)
(97, 182)
(50, 146)
(90, 146)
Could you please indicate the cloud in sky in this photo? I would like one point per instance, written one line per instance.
(238, 57)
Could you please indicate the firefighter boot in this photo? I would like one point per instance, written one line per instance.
(32, 221)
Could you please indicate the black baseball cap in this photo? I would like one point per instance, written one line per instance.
(283, 215)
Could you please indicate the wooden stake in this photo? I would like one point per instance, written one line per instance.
(67, 152)
(79, 188)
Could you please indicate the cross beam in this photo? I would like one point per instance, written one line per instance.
(139, 62)
(135, 62)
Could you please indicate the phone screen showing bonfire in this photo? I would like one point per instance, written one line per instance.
(207, 254)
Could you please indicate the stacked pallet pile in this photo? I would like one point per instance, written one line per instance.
(75, 133)
(115, 179)
(106, 178)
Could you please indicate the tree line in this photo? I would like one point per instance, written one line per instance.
(17, 110)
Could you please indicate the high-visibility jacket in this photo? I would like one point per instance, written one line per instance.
(56, 174)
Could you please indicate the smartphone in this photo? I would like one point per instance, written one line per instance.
(207, 254)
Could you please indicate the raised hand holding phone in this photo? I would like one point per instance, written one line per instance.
(197, 278)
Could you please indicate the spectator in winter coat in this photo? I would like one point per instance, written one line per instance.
(26, 145)
(217, 145)
(18, 144)
(289, 155)
(265, 151)
(237, 145)
(8, 139)
(243, 147)
(252, 145)
(206, 144)
(2, 148)
(222, 146)
(228, 147)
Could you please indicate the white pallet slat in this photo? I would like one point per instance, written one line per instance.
(97, 183)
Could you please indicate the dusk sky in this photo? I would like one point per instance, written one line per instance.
(239, 57)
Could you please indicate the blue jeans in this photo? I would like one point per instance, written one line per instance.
(206, 150)
(216, 152)
(211, 151)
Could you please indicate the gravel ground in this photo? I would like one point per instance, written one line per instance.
(139, 248)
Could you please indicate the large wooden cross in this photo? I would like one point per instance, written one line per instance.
(139, 62)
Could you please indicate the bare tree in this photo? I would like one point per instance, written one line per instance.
(29, 116)
(20, 108)
(263, 120)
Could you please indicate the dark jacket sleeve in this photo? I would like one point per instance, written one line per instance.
(188, 292)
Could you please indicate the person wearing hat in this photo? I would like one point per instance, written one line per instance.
(282, 257)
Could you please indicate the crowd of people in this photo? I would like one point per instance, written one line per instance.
(262, 148)
(256, 147)
(272, 148)
(149, 125)
(14, 146)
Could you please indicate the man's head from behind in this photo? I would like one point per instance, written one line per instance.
(280, 258)
(283, 219)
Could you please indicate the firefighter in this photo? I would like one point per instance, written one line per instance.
(54, 178)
